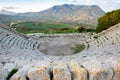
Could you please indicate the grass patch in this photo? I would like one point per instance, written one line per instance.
(95, 37)
(50, 27)
(40, 27)
(78, 48)
(12, 72)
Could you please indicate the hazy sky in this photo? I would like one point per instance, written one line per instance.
(39, 5)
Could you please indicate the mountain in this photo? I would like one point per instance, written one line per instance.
(85, 14)
(65, 13)
(5, 12)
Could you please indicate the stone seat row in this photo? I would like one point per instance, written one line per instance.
(8, 40)
(112, 38)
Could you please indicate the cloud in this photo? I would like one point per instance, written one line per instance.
(10, 8)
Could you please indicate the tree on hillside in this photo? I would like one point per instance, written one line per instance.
(108, 20)
(80, 29)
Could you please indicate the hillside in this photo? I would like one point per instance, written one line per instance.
(67, 13)
(85, 14)
(5, 12)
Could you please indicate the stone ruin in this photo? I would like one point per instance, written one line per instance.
(100, 60)
(60, 44)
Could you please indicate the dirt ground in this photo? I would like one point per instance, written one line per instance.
(58, 47)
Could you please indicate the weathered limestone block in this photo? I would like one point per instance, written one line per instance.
(21, 74)
(98, 71)
(39, 72)
(61, 72)
(117, 37)
(110, 38)
(15, 42)
(78, 73)
(2, 35)
(19, 78)
(101, 42)
(26, 44)
(6, 69)
(3, 73)
(12, 41)
(19, 42)
(116, 71)
(22, 44)
(9, 66)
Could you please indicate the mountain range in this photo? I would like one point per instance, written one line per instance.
(5, 12)
(59, 13)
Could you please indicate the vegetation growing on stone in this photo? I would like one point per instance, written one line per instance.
(108, 20)
(78, 48)
(83, 29)
(95, 37)
(12, 72)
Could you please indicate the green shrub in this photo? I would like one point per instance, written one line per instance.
(95, 37)
(80, 29)
(12, 72)
(78, 48)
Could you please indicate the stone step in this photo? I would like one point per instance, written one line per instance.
(105, 39)
(3, 35)
(20, 42)
(12, 42)
(35, 45)
(117, 37)
(15, 43)
(95, 43)
(92, 43)
(1, 31)
(113, 36)
(100, 41)
(110, 39)
(12, 39)
(30, 45)
(2, 38)
(25, 44)
(7, 39)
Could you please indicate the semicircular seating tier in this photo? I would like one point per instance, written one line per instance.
(100, 60)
